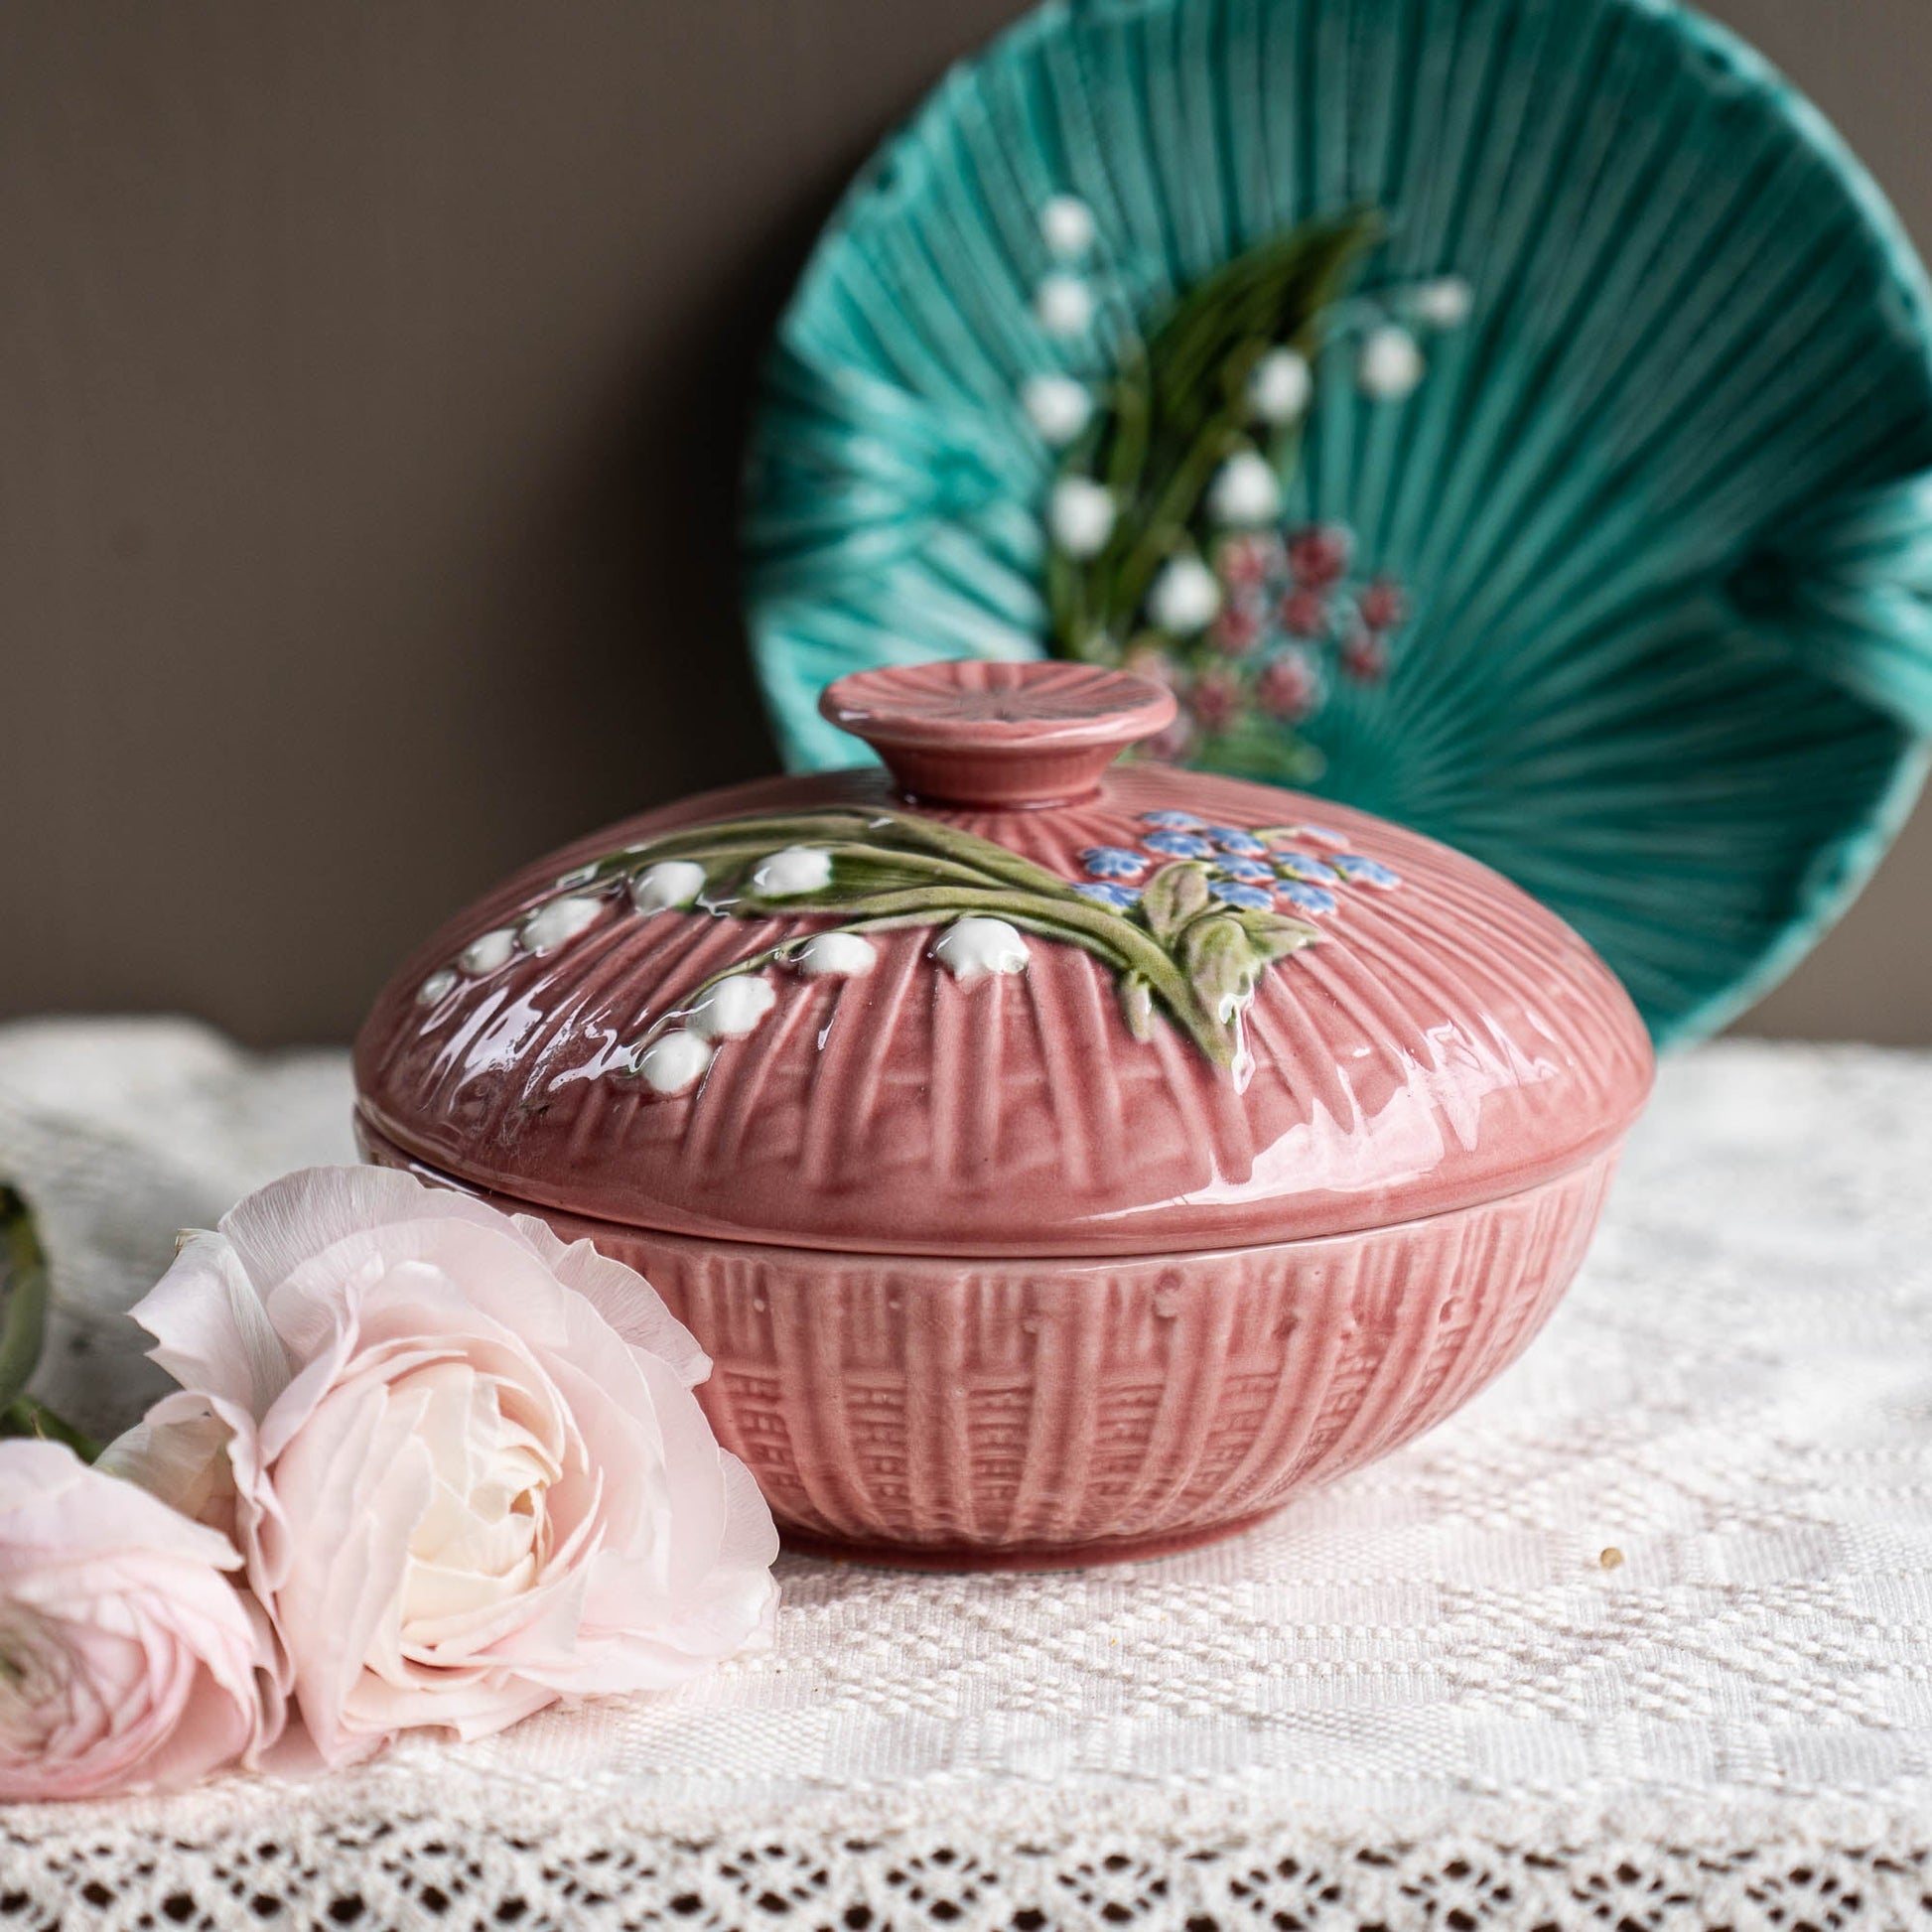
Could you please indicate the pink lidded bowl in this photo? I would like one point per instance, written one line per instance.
(1060, 1158)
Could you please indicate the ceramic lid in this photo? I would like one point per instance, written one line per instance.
(1005, 997)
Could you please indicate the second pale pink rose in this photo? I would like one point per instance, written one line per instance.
(128, 1659)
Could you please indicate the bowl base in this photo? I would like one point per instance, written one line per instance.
(1017, 1556)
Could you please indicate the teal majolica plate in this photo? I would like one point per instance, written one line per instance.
(1509, 416)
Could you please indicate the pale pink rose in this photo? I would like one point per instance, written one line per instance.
(463, 1460)
(128, 1659)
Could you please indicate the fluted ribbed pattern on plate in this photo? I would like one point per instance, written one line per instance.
(1043, 1411)
(1659, 505)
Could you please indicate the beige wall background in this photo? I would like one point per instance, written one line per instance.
(373, 379)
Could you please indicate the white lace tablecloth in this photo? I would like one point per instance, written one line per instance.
(1428, 1698)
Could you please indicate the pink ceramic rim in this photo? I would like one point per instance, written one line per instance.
(380, 1148)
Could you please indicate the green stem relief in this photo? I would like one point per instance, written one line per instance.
(1177, 407)
(890, 869)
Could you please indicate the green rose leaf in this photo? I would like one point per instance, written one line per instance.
(23, 1295)
(23, 1330)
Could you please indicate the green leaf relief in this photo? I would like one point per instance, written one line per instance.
(1180, 951)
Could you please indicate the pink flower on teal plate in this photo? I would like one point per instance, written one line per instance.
(1236, 631)
(1382, 604)
(1216, 698)
(1318, 555)
(1365, 657)
(1305, 614)
(1248, 559)
(1289, 686)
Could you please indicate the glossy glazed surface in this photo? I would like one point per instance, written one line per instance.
(1447, 1041)
(1049, 1182)
(1039, 1414)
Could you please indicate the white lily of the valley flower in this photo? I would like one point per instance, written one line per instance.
(670, 883)
(1058, 407)
(1186, 598)
(558, 923)
(1390, 366)
(1245, 490)
(1281, 386)
(674, 1061)
(489, 951)
(1080, 516)
(437, 986)
(1067, 227)
(836, 955)
(731, 1009)
(1063, 305)
(974, 947)
(797, 869)
(1444, 303)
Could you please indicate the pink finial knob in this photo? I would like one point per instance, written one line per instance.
(973, 733)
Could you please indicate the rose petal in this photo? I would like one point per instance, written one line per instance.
(364, 1484)
(212, 1329)
(290, 1222)
(622, 1296)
